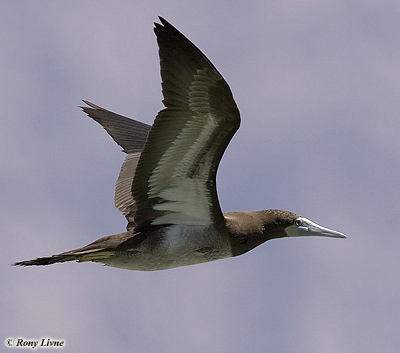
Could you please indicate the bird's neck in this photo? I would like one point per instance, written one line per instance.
(247, 230)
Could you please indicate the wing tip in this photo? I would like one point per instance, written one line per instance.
(165, 26)
(163, 21)
(90, 106)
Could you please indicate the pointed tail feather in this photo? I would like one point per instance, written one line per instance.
(40, 261)
(95, 256)
(97, 251)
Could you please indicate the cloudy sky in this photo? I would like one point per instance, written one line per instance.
(318, 85)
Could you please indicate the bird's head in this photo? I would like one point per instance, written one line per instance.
(302, 226)
(250, 229)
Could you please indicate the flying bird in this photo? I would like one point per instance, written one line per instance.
(167, 184)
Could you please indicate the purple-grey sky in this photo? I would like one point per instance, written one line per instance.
(318, 86)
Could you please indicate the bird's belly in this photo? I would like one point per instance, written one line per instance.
(177, 246)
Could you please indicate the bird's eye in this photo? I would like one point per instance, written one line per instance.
(298, 223)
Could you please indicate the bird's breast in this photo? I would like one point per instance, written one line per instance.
(174, 246)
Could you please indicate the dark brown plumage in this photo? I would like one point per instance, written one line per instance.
(167, 184)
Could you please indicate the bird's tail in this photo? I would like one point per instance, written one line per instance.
(97, 251)
(40, 261)
(94, 255)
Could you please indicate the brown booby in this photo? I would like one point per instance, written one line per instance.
(167, 184)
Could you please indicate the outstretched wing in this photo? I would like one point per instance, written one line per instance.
(175, 178)
(131, 135)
